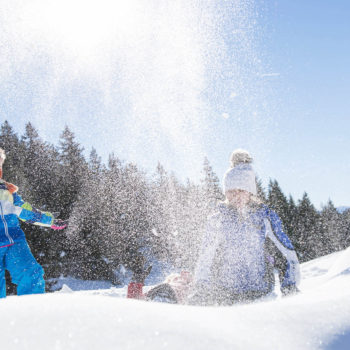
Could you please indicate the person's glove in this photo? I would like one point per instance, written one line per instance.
(162, 293)
(59, 224)
(289, 290)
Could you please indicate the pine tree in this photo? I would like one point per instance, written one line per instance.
(162, 198)
(137, 227)
(72, 169)
(330, 229)
(68, 168)
(292, 222)
(261, 191)
(90, 224)
(40, 162)
(211, 185)
(346, 228)
(95, 163)
(278, 202)
(307, 227)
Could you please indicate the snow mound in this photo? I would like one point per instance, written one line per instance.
(342, 265)
(65, 289)
(316, 318)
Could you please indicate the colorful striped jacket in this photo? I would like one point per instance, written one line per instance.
(12, 208)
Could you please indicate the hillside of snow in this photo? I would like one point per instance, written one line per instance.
(317, 318)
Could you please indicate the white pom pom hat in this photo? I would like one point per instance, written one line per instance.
(241, 175)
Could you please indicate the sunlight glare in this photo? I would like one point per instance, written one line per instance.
(84, 25)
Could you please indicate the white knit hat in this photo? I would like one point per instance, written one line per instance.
(241, 175)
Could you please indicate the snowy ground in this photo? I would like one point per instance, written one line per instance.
(317, 318)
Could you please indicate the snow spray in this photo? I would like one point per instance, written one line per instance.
(168, 81)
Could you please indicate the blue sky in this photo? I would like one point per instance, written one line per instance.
(310, 48)
(177, 81)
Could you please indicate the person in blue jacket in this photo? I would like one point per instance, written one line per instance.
(15, 254)
(242, 245)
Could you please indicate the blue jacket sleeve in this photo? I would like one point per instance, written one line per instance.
(31, 215)
(286, 260)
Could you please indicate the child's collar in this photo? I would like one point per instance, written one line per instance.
(11, 187)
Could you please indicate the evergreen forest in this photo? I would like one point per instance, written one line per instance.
(117, 212)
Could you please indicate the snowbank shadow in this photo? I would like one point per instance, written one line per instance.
(341, 342)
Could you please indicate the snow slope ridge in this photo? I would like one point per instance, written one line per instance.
(341, 265)
(323, 270)
(317, 318)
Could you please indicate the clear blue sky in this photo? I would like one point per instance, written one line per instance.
(310, 47)
(177, 81)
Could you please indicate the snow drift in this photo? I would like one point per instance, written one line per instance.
(317, 318)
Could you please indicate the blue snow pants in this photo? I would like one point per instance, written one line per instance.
(24, 269)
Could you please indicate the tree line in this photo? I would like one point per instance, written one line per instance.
(117, 212)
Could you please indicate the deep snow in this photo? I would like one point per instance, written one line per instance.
(317, 318)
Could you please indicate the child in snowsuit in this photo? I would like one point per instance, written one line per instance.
(244, 242)
(15, 254)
